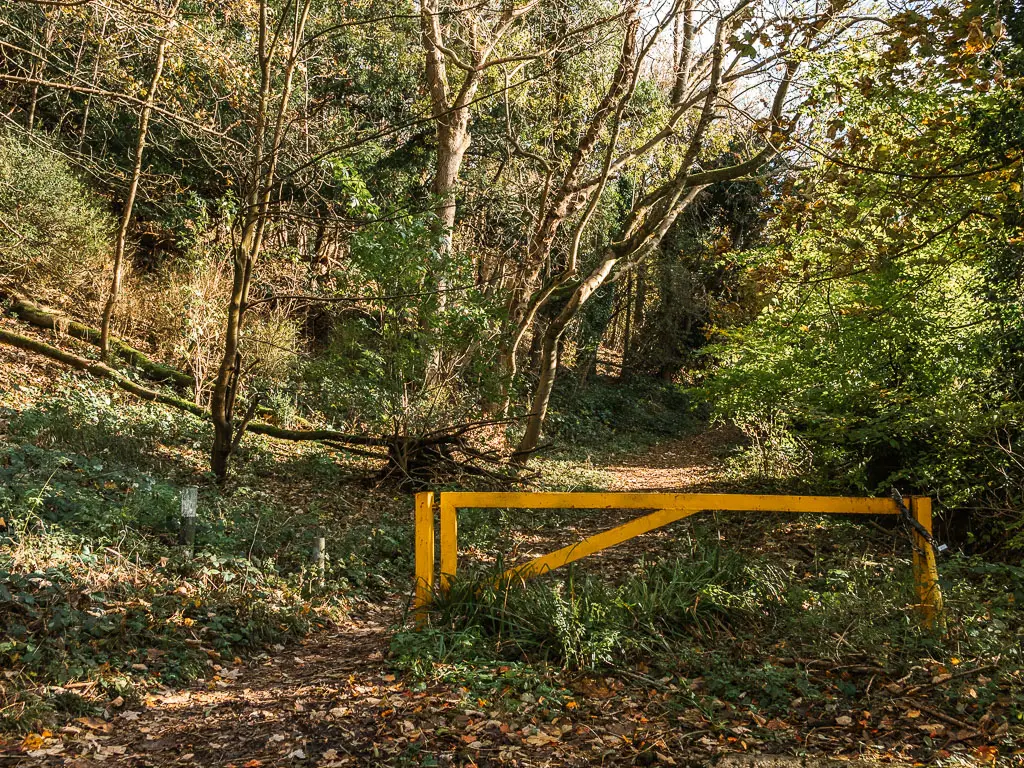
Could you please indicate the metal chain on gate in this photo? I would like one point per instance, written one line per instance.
(910, 520)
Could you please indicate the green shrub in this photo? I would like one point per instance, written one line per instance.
(417, 359)
(54, 232)
(858, 390)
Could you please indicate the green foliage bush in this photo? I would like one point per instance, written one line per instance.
(886, 338)
(869, 390)
(54, 232)
(376, 370)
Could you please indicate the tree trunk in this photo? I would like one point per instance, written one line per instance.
(641, 295)
(635, 319)
(614, 322)
(129, 201)
(644, 238)
(559, 204)
(652, 216)
(257, 215)
(627, 332)
(38, 68)
(94, 82)
(452, 143)
(225, 388)
(549, 357)
(536, 346)
(683, 52)
(451, 119)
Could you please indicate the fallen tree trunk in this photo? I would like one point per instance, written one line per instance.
(100, 370)
(409, 456)
(104, 371)
(41, 317)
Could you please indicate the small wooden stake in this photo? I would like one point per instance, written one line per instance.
(320, 558)
(189, 514)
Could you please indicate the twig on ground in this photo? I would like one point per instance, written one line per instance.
(941, 716)
(965, 673)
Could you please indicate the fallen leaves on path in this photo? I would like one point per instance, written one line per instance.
(335, 702)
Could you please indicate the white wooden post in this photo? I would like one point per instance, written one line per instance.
(189, 514)
(320, 558)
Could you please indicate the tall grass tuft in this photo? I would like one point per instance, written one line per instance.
(580, 621)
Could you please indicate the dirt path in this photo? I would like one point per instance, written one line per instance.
(335, 701)
(693, 463)
(319, 703)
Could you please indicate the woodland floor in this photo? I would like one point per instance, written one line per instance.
(338, 699)
(335, 700)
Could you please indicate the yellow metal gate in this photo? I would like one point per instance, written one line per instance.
(668, 507)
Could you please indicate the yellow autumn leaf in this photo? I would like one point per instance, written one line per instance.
(33, 741)
(975, 38)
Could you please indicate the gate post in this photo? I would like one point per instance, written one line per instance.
(926, 574)
(449, 542)
(424, 531)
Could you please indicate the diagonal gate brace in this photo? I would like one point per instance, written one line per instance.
(668, 508)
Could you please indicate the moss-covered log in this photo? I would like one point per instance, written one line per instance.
(98, 369)
(104, 371)
(41, 317)
(413, 459)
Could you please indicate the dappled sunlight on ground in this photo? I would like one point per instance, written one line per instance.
(690, 464)
(345, 696)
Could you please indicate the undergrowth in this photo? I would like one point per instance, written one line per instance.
(582, 622)
(610, 416)
(114, 616)
(714, 625)
(97, 598)
(588, 427)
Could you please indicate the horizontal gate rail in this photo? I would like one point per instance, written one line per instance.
(668, 508)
